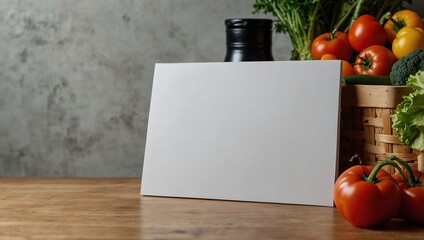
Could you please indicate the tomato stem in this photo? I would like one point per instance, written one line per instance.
(332, 35)
(372, 177)
(366, 62)
(354, 157)
(361, 163)
(411, 181)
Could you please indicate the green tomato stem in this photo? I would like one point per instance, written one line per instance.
(354, 157)
(412, 181)
(372, 177)
(366, 62)
(332, 35)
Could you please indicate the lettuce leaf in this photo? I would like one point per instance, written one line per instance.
(416, 81)
(408, 121)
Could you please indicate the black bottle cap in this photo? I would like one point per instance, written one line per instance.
(248, 31)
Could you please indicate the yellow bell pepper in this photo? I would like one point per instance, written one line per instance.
(401, 19)
(407, 40)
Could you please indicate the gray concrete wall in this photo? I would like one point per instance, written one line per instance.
(75, 77)
(418, 6)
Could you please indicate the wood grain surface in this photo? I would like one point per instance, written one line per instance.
(111, 208)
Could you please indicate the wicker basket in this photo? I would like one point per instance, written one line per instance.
(366, 125)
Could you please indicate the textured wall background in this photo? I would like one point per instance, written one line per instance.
(75, 77)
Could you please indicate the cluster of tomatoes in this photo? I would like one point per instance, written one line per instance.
(368, 196)
(369, 47)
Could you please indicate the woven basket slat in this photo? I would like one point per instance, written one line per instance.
(387, 121)
(378, 129)
(373, 149)
(384, 138)
(405, 156)
(373, 121)
(373, 96)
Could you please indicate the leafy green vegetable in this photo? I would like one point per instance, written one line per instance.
(304, 20)
(296, 19)
(409, 117)
(416, 82)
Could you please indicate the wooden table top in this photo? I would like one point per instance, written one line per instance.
(111, 208)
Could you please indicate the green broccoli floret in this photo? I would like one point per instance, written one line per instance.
(406, 66)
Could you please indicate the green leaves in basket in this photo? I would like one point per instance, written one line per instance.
(416, 81)
(409, 117)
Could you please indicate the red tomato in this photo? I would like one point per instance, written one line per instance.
(366, 31)
(347, 69)
(335, 43)
(328, 56)
(412, 206)
(374, 60)
(366, 203)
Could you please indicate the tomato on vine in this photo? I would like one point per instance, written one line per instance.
(412, 206)
(335, 43)
(411, 183)
(366, 31)
(347, 69)
(367, 196)
(374, 60)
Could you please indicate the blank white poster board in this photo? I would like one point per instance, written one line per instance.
(247, 131)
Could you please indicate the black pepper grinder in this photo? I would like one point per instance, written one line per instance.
(248, 40)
